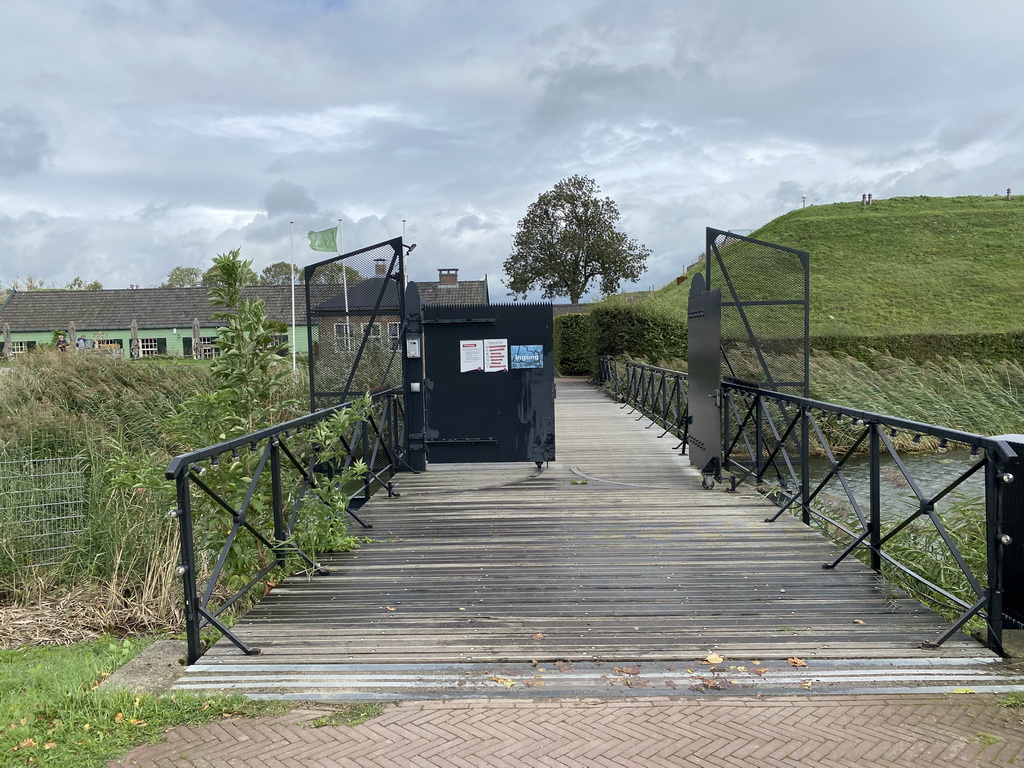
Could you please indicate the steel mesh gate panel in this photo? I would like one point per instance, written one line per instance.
(354, 314)
(765, 310)
(765, 317)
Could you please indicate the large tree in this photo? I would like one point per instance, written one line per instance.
(278, 273)
(567, 239)
(184, 277)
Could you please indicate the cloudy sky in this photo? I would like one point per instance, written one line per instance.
(136, 135)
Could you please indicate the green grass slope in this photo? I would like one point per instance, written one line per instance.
(908, 265)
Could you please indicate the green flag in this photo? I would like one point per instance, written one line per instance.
(324, 240)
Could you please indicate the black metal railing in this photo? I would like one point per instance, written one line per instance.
(770, 437)
(659, 394)
(837, 467)
(278, 469)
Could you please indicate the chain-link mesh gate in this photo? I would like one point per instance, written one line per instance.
(354, 313)
(765, 310)
(765, 316)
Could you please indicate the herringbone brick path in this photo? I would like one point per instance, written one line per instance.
(916, 731)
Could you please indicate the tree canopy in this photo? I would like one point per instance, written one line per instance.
(278, 273)
(184, 277)
(567, 239)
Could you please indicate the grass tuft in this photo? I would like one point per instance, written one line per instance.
(52, 713)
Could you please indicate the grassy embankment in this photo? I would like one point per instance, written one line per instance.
(909, 265)
(921, 291)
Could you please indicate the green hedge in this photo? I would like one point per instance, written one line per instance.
(921, 347)
(640, 329)
(574, 345)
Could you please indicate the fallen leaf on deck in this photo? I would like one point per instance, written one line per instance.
(539, 636)
(858, 621)
(388, 608)
(634, 670)
(504, 681)
(795, 662)
(635, 683)
(713, 658)
(564, 666)
(964, 690)
(807, 685)
(759, 670)
(534, 683)
(670, 684)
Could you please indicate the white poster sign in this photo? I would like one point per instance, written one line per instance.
(495, 355)
(471, 356)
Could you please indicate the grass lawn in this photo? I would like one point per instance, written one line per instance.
(51, 712)
(909, 265)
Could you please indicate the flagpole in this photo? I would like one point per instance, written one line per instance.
(291, 253)
(344, 272)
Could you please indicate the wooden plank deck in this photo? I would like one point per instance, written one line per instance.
(497, 563)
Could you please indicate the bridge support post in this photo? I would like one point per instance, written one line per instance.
(1004, 524)
(875, 500)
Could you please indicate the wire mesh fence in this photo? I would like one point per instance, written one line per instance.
(42, 509)
(354, 308)
(764, 310)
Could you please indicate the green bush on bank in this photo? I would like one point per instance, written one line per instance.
(645, 329)
(574, 345)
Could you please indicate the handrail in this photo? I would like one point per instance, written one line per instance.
(283, 450)
(767, 438)
(659, 394)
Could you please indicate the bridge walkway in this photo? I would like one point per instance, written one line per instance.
(612, 556)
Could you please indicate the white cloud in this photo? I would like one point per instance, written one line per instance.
(137, 136)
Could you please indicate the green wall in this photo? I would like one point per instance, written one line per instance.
(173, 342)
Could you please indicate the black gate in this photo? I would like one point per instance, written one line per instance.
(703, 340)
(354, 313)
(488, 386)
(763, 291)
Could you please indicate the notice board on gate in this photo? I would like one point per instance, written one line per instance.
(489, 383)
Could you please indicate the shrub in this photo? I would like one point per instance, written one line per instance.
(574, 345)
(648, 330)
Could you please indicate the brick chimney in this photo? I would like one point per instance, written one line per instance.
(379, 267)
(448, 276)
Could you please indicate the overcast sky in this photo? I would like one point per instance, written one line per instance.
(136, 135)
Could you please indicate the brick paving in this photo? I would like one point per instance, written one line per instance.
(911, 730)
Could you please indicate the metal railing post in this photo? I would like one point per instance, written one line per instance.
(805, 467)
(875, 499)
(277, 496)
(367, 493)
(187, 567)
(758, 438)
(996, 492)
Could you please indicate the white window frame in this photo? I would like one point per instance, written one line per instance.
(343, 336)
(19, 347)
(148, 347)
(207, 348)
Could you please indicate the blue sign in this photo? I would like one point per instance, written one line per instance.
(527, 356)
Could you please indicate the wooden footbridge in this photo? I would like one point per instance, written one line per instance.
(609, 567)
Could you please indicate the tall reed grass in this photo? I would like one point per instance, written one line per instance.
(114, 413)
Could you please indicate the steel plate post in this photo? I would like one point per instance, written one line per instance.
(875, 499)
(277, 497)
(187, 568)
